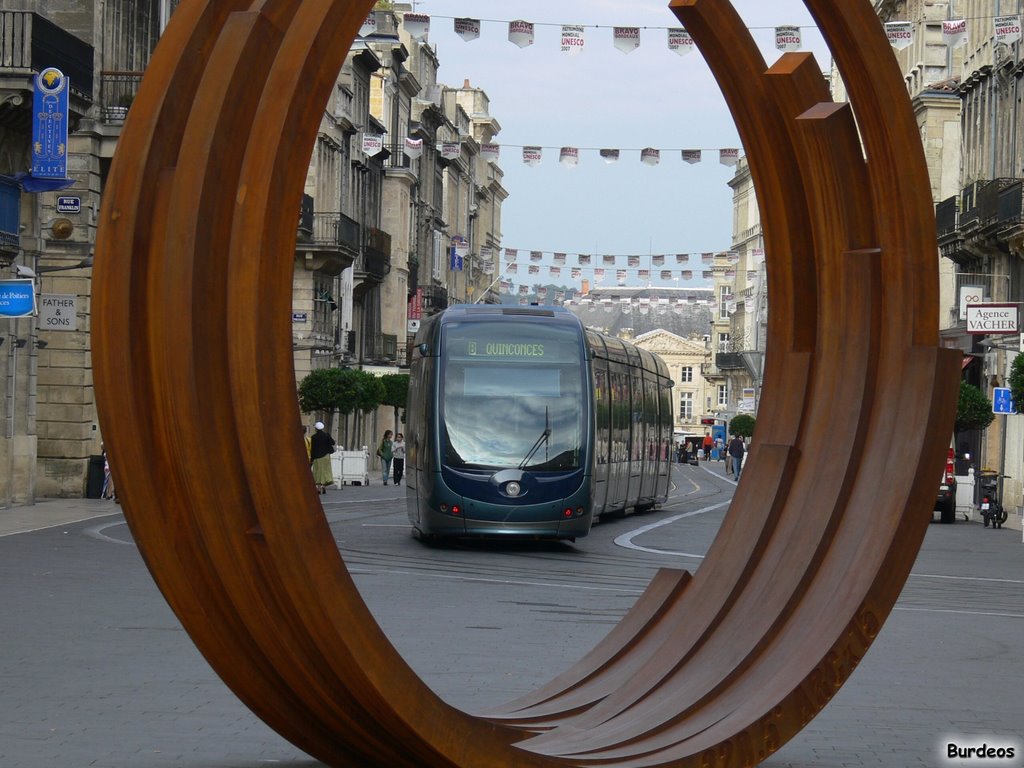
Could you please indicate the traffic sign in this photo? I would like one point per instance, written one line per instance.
(1002, 402)
(69, 204)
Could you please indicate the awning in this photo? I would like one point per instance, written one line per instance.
(967, 360)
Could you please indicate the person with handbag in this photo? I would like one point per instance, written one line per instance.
(385, 453)
(321, 446)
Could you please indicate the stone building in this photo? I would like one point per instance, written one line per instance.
(686, 360)
(373, 233)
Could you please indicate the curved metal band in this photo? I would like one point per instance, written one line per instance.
(196, 394)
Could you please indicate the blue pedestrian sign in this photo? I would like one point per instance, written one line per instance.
(1002, 402)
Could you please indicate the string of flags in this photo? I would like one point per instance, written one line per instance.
(665, 267)
(532, 155)
(573, 38)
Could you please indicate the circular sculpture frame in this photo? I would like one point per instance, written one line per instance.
(196, 394)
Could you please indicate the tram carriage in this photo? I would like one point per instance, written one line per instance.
(521, 422)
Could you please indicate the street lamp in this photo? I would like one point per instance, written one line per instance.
(22, 271)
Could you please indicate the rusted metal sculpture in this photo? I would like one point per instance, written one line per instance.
(192, 295)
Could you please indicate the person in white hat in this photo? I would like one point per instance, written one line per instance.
(321, 446)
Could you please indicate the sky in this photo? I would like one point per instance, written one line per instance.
(650, 97)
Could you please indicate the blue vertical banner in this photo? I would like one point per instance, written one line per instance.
(50, 125)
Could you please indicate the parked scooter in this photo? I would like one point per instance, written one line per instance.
(991, 491)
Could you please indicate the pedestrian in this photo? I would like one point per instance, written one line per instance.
(680, 452)
(736, 451)
(321, 446)
(707, 445)
(385, 454)
(398, 458)
(108, 478)
(720, 448)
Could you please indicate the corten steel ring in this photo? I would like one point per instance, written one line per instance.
(196, 393)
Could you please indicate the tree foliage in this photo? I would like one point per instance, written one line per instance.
(340, 389)
(742, 425)
(396, 389)
(973, 410)
(1016, 382)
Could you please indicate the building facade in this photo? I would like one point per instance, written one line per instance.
(375, 226)
(686, 360)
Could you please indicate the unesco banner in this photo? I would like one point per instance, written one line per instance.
(50, 125)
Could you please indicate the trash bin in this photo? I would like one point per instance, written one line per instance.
(94, 478)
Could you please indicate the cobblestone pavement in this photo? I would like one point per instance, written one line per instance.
(97, 671)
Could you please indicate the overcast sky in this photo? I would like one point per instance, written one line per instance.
(602, 97)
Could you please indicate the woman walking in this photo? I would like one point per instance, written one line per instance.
(398, 457)
(385, 454)
(321, 446)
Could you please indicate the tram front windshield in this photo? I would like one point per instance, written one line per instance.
(512, 396)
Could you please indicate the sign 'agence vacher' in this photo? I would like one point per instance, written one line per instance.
(992, 318)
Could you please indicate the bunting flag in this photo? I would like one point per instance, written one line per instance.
(584, 259)
(534, 269)
(691, 156)
(728, 157)
(608, 259)
(1007, 29)
(658, 260)
(707, 274)
(900, 34)
(511, 254)
(620, 276)
(680, 41)
(490, 152)
(954, 32)
(520, 33)
(666, 274)
(626, 39)
(467, 29)
(610, 155)
(369, 25)
(632, 261)
(787, 38)
(532, 156)
(450, 149)
(644, 274)
(573, 40)
(707, 258)
(542, 292)
(524, 290)
(554, 271)
(417, 25)
(599, 274)
(559, 258)
(650, 156)
(686, 274)
(733, 257)
(758, 254)
(536, 255)
(576, 273)
(513, 269)
(682, 258)
(569, 156)
(372, 144)
(413, 148)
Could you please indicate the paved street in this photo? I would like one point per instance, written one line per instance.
(98, 672)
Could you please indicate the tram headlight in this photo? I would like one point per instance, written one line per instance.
(513, 488)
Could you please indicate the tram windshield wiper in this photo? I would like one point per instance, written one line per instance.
(544, 436)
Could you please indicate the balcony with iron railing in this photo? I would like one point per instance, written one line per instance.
(117, 92)
(375, 263)
(29, 43)
(435, 299)
(334, 230)
(382, 349)
(397, 157)
(979, 219)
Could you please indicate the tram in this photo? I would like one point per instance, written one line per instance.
(521, 422)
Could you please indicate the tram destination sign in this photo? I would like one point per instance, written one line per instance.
(992, 318)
